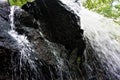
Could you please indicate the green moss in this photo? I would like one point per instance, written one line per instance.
(19, 2)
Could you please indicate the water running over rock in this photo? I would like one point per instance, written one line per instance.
(102, 55)
(31, 62)
(103, 35)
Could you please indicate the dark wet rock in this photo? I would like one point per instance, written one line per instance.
(93, 68)
(4, 25)
(8, 46)
(34, 36)
(5, 39)
(4, 10)
(61, 46)
(58, 24)
(24, 18)
(46, 50)
(10, 58)
(5, 60)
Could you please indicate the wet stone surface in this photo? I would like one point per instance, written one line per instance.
(59, 46)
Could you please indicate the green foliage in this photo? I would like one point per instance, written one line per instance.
(104, 7)
(19, 2)
(96, 3)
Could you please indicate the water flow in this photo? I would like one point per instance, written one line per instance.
(62, 67)
(25, 48)
(103, 36)
(27, 57)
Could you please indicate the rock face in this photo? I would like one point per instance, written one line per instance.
(57, 49)
(4, 10)
(58, 24)
(8, 46)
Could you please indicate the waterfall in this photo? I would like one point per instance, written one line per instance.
(102, 55)
(25, 46)
(103, 35)
(28, 66)
(27, 56)
(56, 52)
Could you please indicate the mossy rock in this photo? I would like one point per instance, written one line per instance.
(19, 2)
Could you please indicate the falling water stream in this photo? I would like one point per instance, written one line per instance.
(26, 50)
(102, 34)
(28, 57)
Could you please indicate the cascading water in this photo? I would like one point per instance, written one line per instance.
(28, 66)
(103, 43)
(101, 55)
(103, 35)
(56, 52)
(25, 48)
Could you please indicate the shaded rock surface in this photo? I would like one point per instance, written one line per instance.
(58, 46)
(57, 23)
(8, 46)
(4, 10)
(47, 51)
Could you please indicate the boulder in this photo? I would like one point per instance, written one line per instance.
(53, 33)
(57, 23)
(53, 54)
(10, 67)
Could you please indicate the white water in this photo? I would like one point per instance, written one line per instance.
(25, 47)
(26, 50)
(56, 52)
(103, 35)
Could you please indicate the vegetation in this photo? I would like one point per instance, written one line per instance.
(19, 2)
(108, 8)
